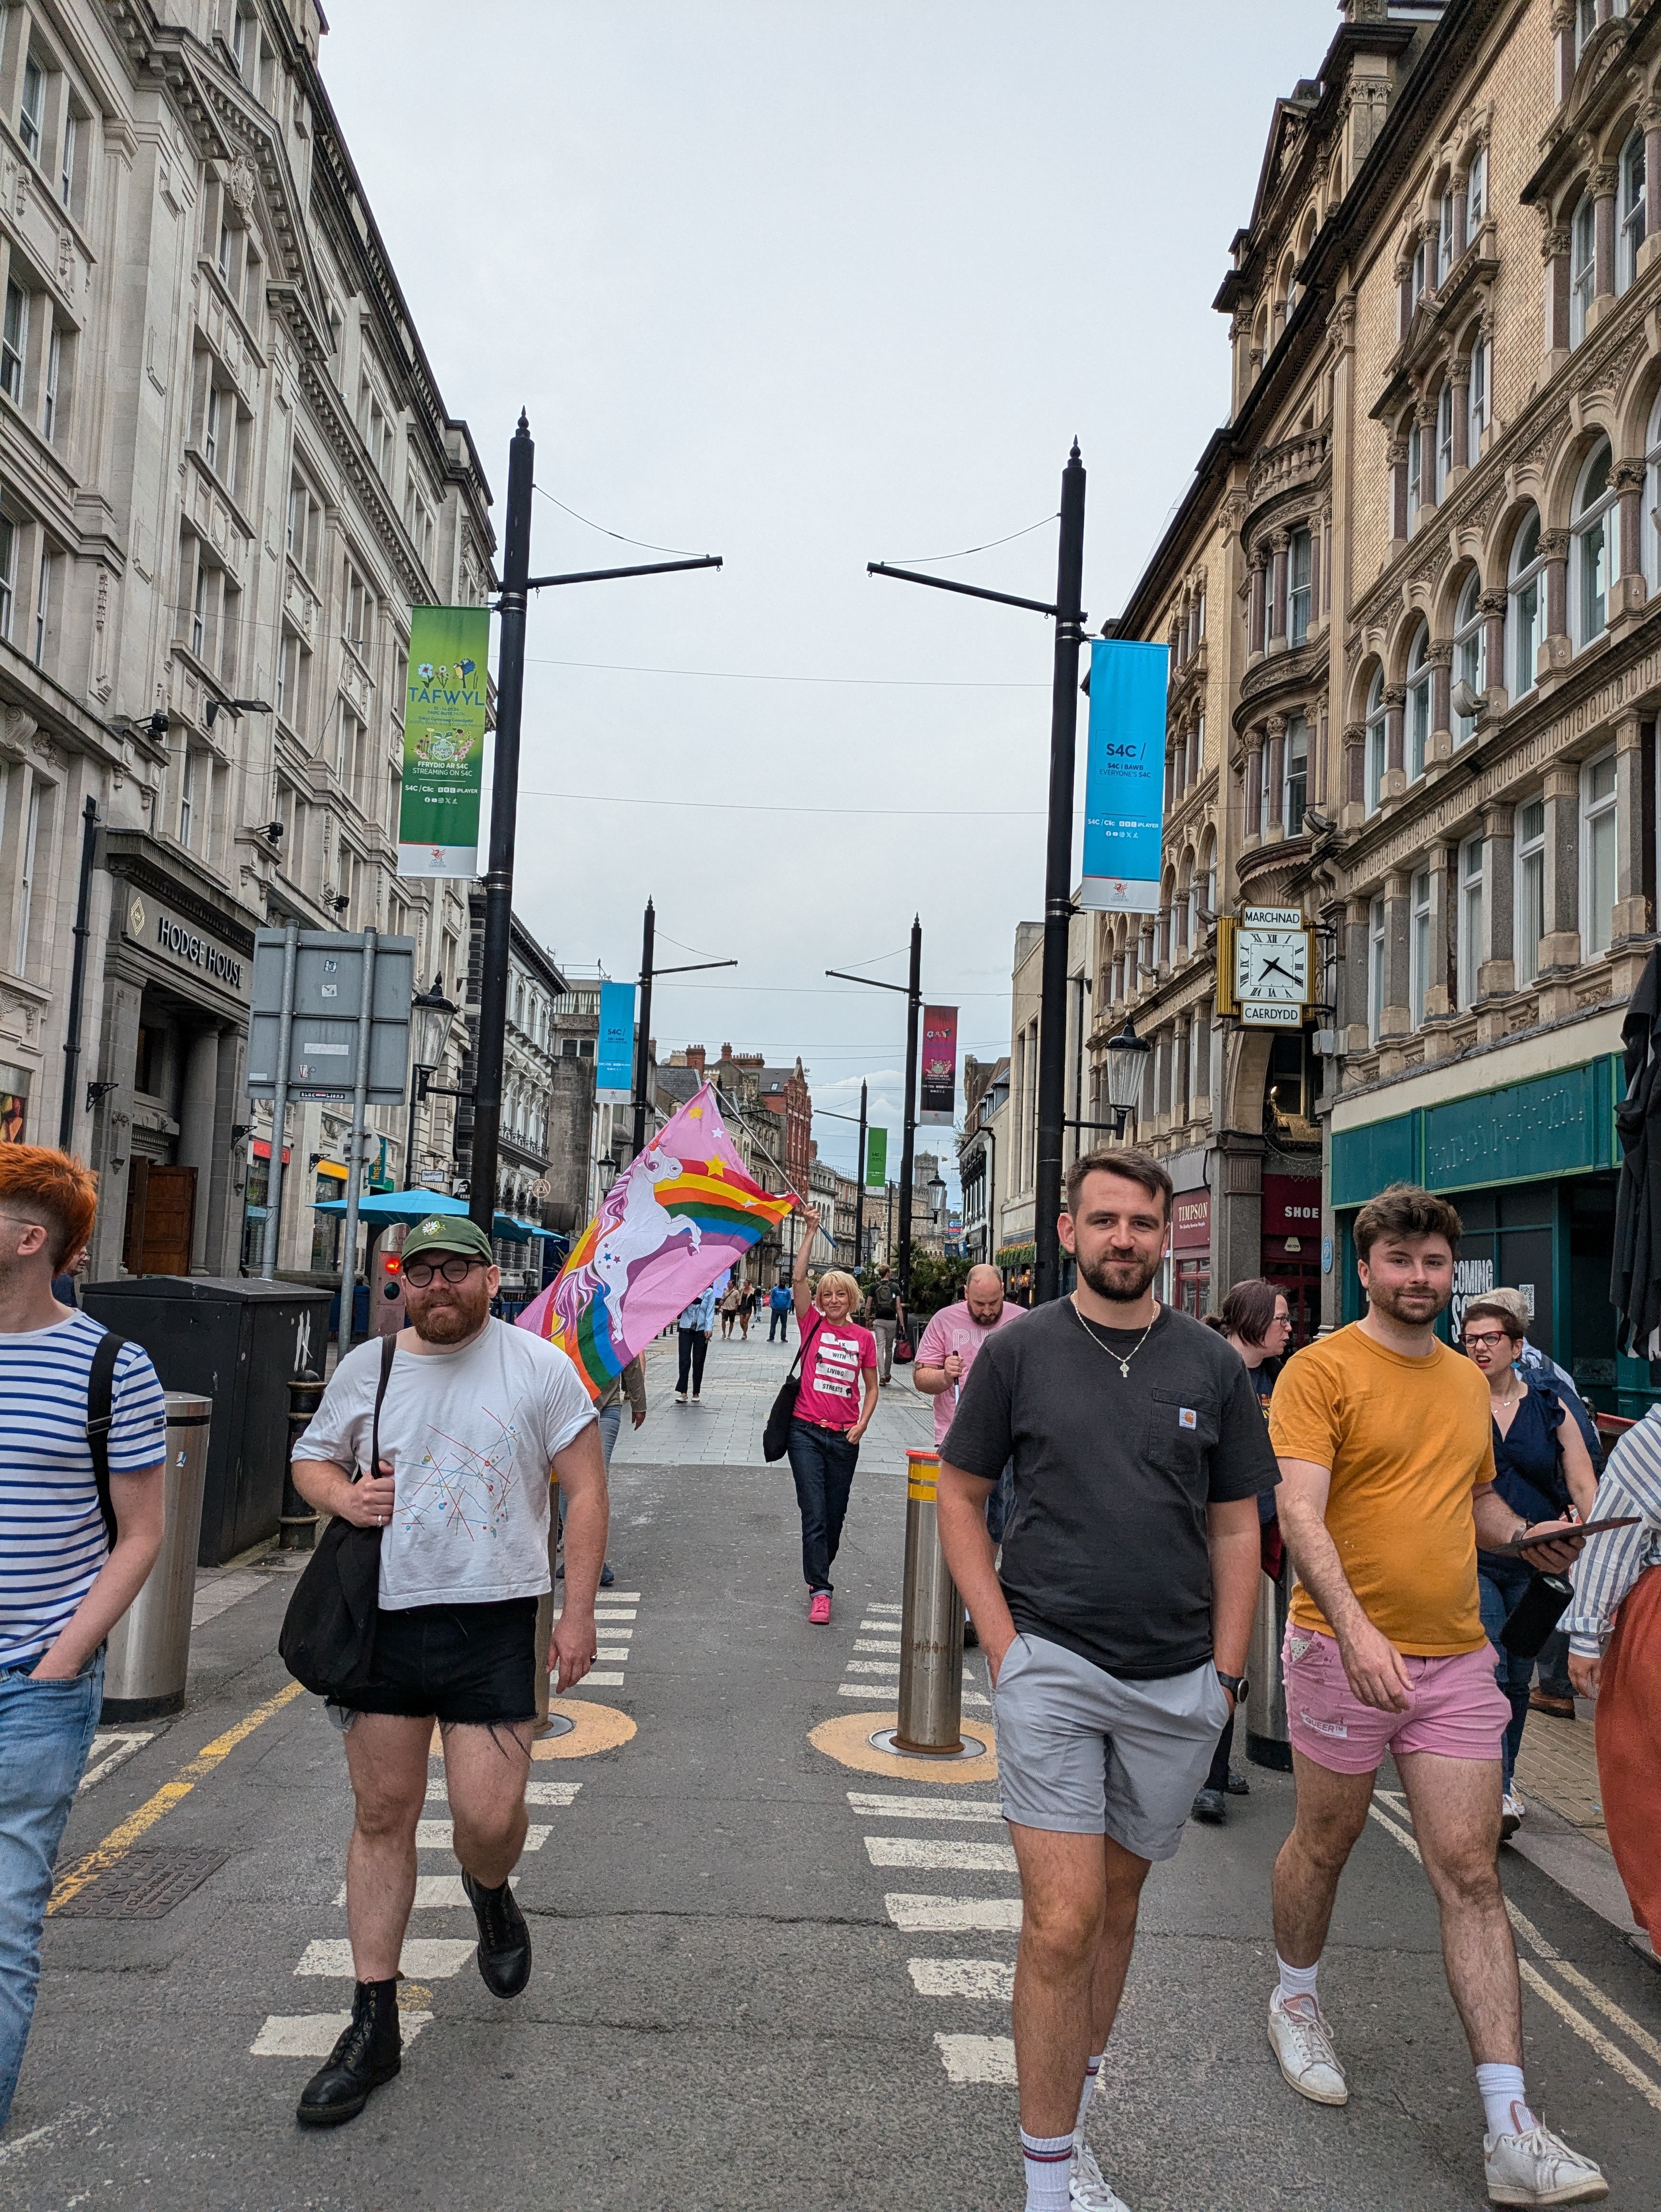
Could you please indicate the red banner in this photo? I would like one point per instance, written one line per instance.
(937, 1089)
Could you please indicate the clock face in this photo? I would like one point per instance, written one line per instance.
(1271, 965)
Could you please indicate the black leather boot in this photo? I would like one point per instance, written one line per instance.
(504, 1941)
(369, 2052)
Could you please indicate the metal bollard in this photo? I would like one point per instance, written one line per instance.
(931, 1625)
(297, 1524)
(1269, 1738)
(149, 1653)
(549, 1722)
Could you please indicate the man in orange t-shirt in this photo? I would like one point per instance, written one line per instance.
(1385, 1437)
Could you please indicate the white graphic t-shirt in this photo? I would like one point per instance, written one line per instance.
(471, 1436)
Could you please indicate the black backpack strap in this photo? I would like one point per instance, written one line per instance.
(101, 1415)
(388, 1353)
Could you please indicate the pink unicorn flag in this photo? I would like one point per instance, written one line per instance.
(678, 1216)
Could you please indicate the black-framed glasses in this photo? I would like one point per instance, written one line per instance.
(419, 1272)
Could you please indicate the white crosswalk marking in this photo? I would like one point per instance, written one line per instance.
(939, 1854)
(977, 2058)
(314, 2034)
(601, 1678)
(538, 1792)
(874, 1608)
(424, 1958)
(608, 1651)
(870, 1667)
(922, 1915)
(110, 1751)
(924, 1808)
(433, 1890)
(871, 1644)
(437, 1836)
(989, 1979)
(606, 1614)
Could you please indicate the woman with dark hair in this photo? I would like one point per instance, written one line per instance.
(1256, 1321)
(1542, 1468)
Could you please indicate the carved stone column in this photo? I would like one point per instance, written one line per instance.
(1460, 379)
(1555, 252)
(1628, 593)
(1604, 176)
(1439, 741)
(1439, 994)
(1632, 915)
(1493, 604)
(1257, 630)
(1253, 784)
(1560, 947)
(1555, 549)
(1394, 781)
(1395, 1015)
(1425, 415)
(1277, 606)
(1354, 788)
(1276, 728)
(1496, 969)
(1396, 454)
(1562, 24)
(1649, 121)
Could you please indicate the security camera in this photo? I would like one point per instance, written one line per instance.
(1467, 700)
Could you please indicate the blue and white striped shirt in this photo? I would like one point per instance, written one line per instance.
(1611, 1564)
(51, 1532)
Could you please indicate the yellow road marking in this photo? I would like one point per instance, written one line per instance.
(120, 1840)
(1609, 2052)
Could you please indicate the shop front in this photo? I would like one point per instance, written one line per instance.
(1532, 1166)
(173, 1021)
(1291, 1236)
(1190, 1252)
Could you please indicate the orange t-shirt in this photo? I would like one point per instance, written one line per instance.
(1408, 1441)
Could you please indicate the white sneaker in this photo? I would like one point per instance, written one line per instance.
(1510, 1815)
(1300, 2039)
(1086, 2187)
(1539, 2168)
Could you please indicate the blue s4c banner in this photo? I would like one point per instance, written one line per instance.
(614, 1052)
(1124, 775)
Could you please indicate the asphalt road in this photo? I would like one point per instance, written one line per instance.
(727, 2011)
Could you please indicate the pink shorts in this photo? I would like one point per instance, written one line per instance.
(1455, 1709)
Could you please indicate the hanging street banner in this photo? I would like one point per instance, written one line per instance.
(937, 1087)
(614, 1052)
(444, 710)
(680, 1217)
(876, 1158)
(1124, 776)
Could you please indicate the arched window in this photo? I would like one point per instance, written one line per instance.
(1300, 568)
(1471, 651)
(1583, 265)
(1523, 625)
(1294, 789)
(1476, 193)
(1631, 211)
(1375, 743)
(1444, 437)
(1418, 704)
(1594, 503)
(1477, 401)
(1416, 472)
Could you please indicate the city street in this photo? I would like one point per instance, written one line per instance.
(765, 1976)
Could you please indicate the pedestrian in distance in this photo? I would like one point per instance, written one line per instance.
(1542, 1471)
(695, 1327)
(78, 1544)
(732, 1306)
(1256, 1321)
(1387, 1489)
(476, 1417)
(950, 1343)
(886, 1315)
(778, 1307)
(1614, 1657)
(1118, 1624)
(746, 1311)
(834, 1406)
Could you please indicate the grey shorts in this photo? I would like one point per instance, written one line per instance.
(1083, 1753)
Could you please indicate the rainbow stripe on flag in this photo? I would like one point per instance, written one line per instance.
(683, 1213)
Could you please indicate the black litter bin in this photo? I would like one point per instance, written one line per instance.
(237, 1341)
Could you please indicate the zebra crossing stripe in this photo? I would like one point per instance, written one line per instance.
(314, 2034)
(928, 1916)
(988, 1978)
(972, 2058)
(424, 1958)
(433, 1890)
(939, 1854)
(876, 1807)
(438, 1836)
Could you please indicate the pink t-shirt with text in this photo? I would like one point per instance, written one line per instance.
(954, 1328)
(831, 1370)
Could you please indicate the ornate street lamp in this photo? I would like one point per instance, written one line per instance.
(1127, 1056)
(431, 1017)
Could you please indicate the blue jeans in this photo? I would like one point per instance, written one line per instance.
(822, 1462)
(611, 1420)
(778, 1323)
(1500, 1583)
(46, 1730)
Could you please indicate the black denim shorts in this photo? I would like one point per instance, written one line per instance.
(453, 1663)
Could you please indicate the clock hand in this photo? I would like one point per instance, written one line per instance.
(1286, 972)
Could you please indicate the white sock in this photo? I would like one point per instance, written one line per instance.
(1092, 2067)
(1505, 2105)
(1049, 2160)
(1297, 1981)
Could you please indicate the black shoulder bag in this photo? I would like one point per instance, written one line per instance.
(100, 1400)
(328, 1632)
(775, 1437)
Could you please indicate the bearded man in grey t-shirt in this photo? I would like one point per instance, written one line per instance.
(476, 1417)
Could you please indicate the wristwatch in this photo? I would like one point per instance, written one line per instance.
(1236, 1685)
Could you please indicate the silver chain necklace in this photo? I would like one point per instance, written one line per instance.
(1124, 1362)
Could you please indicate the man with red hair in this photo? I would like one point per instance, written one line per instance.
(69, 1570)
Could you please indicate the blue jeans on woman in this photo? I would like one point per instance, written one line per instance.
(822, 1462)
(46, 1730)
(1500, 1583)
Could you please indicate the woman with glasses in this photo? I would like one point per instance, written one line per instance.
(1541, 1469)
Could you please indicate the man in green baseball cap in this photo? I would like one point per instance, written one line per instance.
(475, 1416)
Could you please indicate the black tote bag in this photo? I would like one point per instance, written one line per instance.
(328, 1632)
(775, 1437)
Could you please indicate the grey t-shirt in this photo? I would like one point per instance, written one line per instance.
(1104, 1550)
(471, 1436)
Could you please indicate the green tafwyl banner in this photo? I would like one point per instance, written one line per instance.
(876, 1158)
(443, 741)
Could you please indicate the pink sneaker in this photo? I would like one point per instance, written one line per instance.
(819, 1610)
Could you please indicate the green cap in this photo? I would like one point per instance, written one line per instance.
(448, 1232)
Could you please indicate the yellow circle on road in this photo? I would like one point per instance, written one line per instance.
(595, 1727)
(847, 1739)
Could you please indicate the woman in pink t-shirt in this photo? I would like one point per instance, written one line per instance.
(837, 1397)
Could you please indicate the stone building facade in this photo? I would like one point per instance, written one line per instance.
(1414, 600)
(226, 473)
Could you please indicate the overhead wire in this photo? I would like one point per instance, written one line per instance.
(928, 559)
(645, 544)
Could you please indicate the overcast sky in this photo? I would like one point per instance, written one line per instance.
(807, 283)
